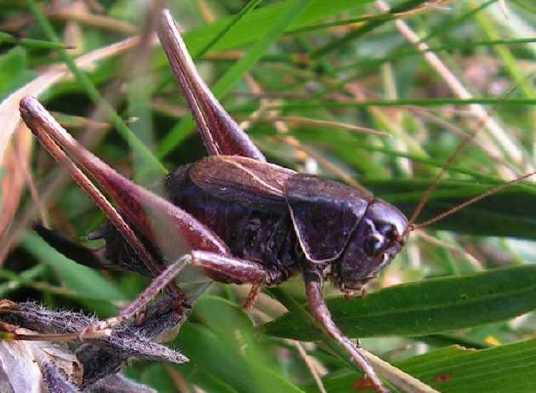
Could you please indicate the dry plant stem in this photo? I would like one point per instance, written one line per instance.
(12, 180)
(493, 127)
(328, 123)
(311, 367)
(397, 377)
(70, 13)
(23, 162)
(180, 383)
(16, 333)
(321, 313)
(99, 21)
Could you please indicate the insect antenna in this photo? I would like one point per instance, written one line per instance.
(435, 182)
(433, 186)
(426, 195)
(491, 191)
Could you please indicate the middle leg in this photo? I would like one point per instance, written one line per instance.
(219, 267)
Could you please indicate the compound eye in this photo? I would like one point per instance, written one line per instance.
(373, 246)
(388, 231)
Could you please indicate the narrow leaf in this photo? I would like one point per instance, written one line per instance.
(508, 368)
(82, 280)
(425, 307)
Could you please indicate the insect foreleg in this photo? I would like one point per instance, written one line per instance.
(235, 270)
(320, 311)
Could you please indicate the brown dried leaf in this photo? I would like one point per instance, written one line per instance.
(34, 366)
(16, 160)
(102, 355)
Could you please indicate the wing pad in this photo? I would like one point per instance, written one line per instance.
(325, 214)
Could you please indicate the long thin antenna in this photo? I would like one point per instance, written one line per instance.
(426, 196)
(486, 194)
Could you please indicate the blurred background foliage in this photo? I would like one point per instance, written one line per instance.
(338, 88)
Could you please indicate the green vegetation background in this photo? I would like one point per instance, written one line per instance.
(310, 77)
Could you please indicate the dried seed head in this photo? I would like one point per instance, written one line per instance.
(55, 379)
(85, 361)
(118, 383)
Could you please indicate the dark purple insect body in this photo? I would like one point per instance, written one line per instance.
(283, 220)
(288, 221)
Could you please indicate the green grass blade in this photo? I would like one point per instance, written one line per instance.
(29, 42)
(508, 368)
(83, 281)
(250, 6)
(94, 94)
(428, 102)
(368, 27)
(425, 307)
(213, 342)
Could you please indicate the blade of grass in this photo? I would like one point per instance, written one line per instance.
(29, 42)
(371, 25)
(250, 6)
(94, 94)
(425, 307)
(507, 368)
(82, 280)
(426, 102)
